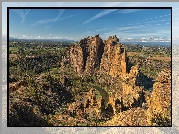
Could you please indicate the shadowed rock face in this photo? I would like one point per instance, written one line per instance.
(86, 56)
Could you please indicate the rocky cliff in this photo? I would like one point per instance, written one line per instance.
(159, 111)
(85, 57)
(92, 54)
(114, 58)
(108, 60)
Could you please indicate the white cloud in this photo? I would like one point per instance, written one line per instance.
(130, 10)
(101, 29)
(89, 33)
(24, 36)
(99, 15)
(49, 20)
(23, 15)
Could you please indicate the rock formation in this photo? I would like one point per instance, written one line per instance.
(76, 58)
(132, 117)
(90, 106)
(108, 60)
(86, 56)
(114, 58)
(16, 85)
(160, 100)
(92, 54)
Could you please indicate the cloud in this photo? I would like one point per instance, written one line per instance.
(24, 36)
(49, 20)
(22, 13)
(52, 21)
(75, 27)
(130, 10)
(99, 15)
(101, 29)
(123, 29)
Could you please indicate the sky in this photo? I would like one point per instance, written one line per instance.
(77, 24)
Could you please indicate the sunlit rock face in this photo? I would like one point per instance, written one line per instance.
(160, 100)
(92, 54)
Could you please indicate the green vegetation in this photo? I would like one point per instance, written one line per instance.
(32, 60)
(48, 88)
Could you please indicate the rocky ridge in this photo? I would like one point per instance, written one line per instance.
(94, 56)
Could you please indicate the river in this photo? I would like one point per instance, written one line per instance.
(102, 92)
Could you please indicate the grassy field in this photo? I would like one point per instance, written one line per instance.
(13, 49)
(154, 57)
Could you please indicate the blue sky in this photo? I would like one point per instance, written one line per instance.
(79, 24)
